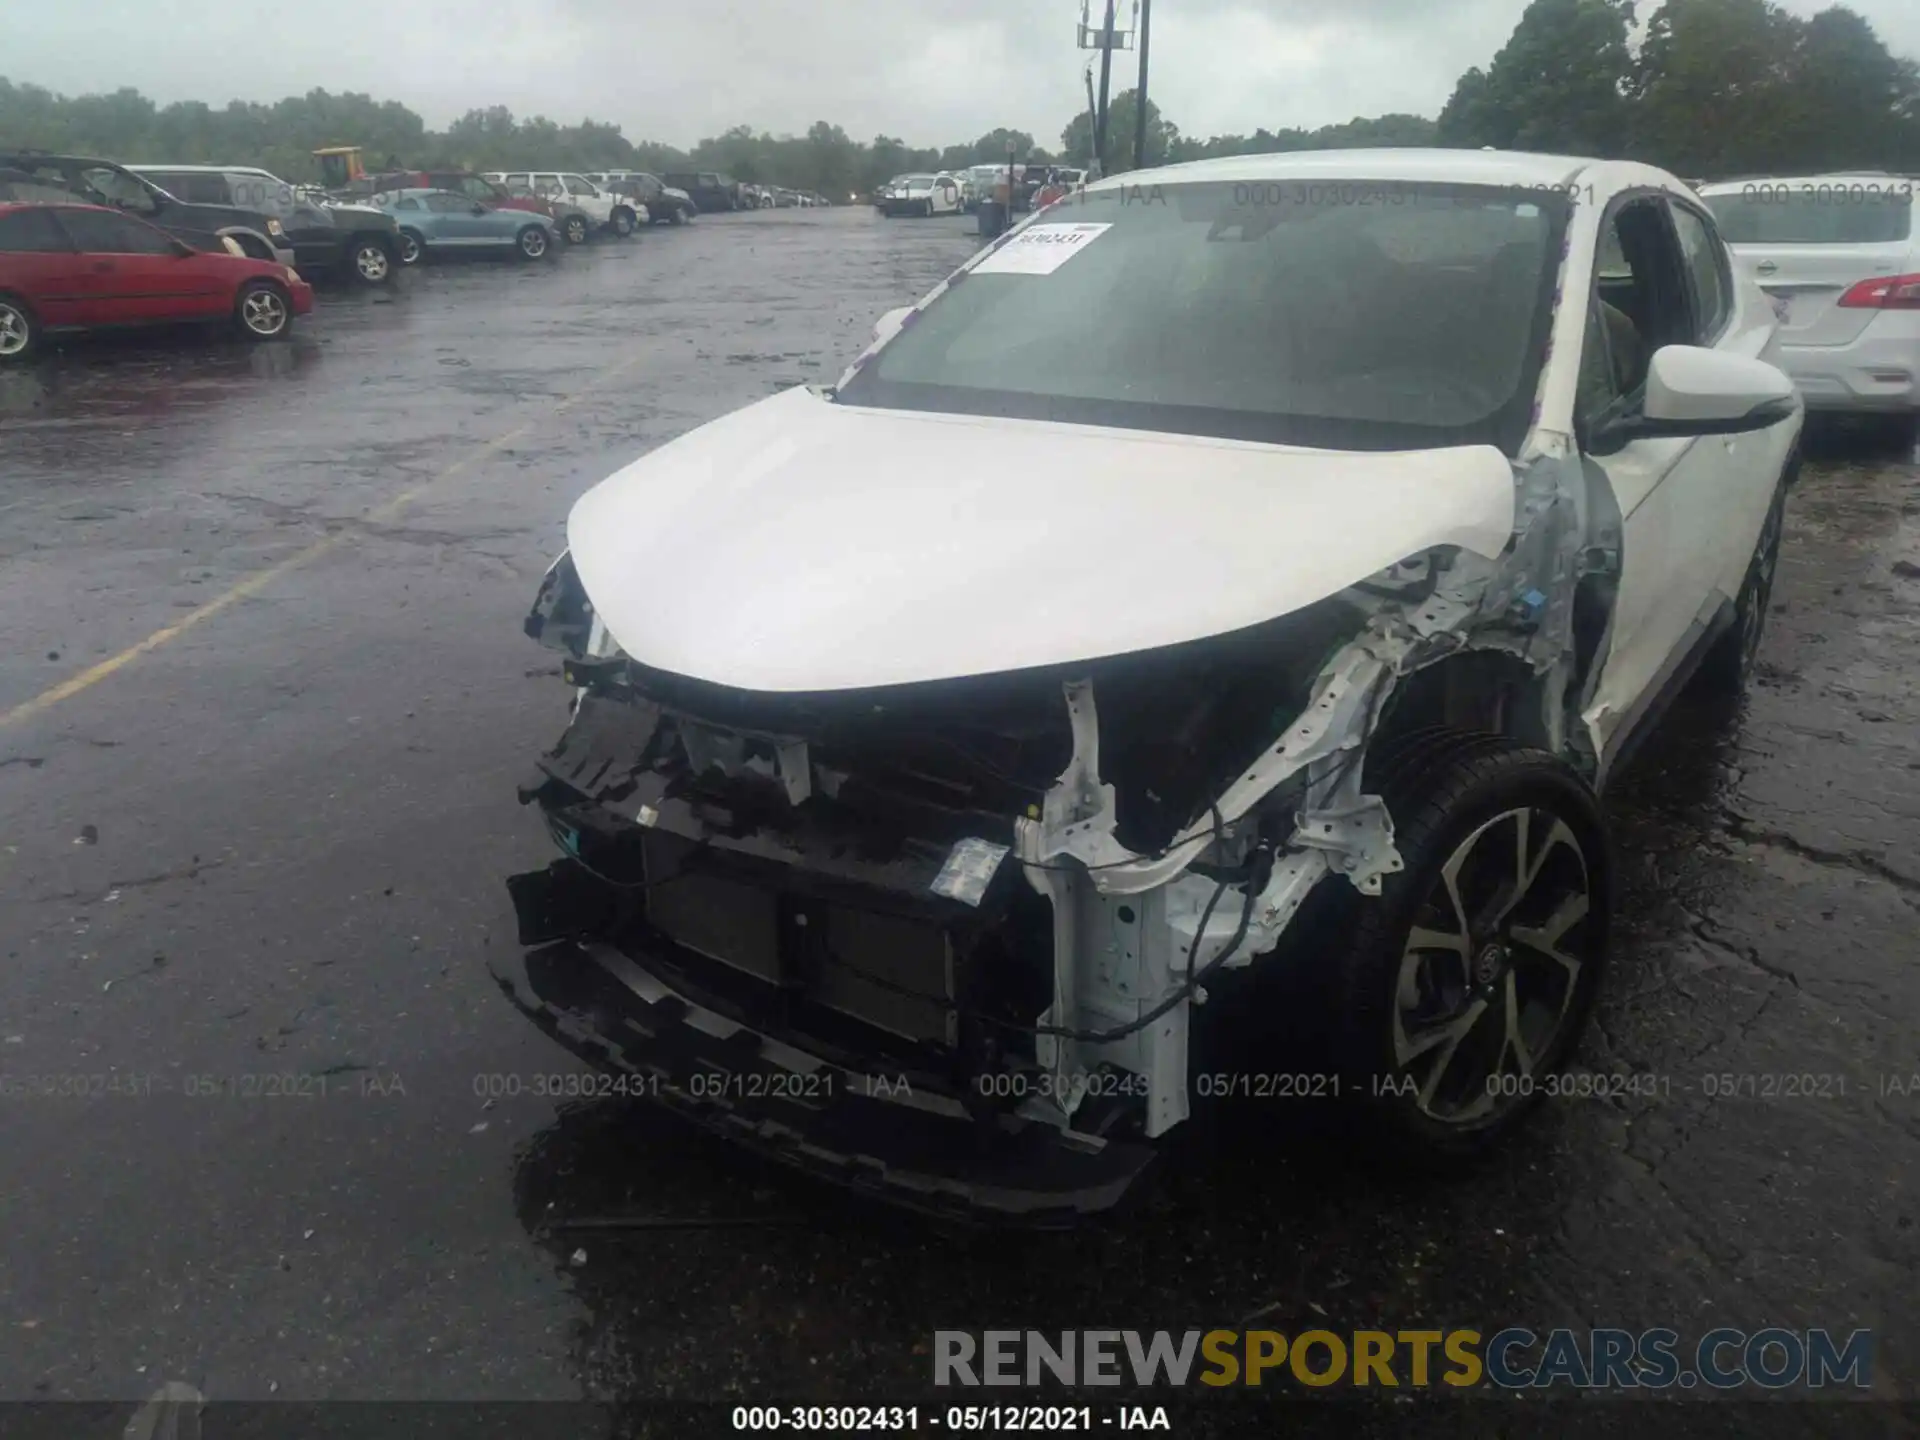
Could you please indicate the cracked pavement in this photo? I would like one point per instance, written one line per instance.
(325, 1172)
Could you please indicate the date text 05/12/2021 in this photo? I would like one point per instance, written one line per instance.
(912, 1419)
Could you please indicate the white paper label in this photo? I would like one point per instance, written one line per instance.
(1040, 249)
(969, 870)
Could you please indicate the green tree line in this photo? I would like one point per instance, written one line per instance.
(1710, 87)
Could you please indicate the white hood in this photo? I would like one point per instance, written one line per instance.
(803, 545)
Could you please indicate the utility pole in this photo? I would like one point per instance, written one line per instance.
(1092, 110)
(1106, 73)
(1140, 92)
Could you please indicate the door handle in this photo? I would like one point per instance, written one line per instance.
(1766, 267)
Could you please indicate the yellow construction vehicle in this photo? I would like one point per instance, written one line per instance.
(340, 165)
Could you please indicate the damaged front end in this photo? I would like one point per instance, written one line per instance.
(945, 940)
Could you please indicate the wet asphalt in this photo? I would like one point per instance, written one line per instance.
(267, 839)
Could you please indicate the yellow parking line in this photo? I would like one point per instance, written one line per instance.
(253, 584)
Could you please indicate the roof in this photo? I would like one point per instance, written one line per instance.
(8, 206)
(1886, 183)
(1513, 168)
(145, 166)
(57, 157)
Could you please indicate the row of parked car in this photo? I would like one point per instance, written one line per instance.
(952, 192)
(87, 243)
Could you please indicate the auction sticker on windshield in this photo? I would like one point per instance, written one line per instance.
(1040, 249)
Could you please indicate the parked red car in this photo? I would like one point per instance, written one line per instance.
(84, 267)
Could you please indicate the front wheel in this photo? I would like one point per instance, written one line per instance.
(1466, 984)
(624, 222)
(412, 247)
(19, 334)
(263, 311)
(532, 243)
(575, 230)
(681, 215)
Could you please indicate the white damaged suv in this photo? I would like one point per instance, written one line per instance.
(1293, 546)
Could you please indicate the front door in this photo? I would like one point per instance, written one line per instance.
(144, 278)
(453, 220)
(1686, 505)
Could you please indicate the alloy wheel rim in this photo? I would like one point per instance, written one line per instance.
(409, 250)
(264, 313)
(576, 230)
(534, 243)
(372, 262)
(1491, 966)
(13, 331)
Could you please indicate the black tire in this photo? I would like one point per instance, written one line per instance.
(681, 215)
(1729, 666)
(574, 230)
(371, 260)
(625, 222)
(19, 330)
(1426, 1097)
(531, 243)
(413, 247)
(263, 311)
(926, 209)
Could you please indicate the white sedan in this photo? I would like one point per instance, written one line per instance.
(1292, 549)
(1839, 256)
(922, 195)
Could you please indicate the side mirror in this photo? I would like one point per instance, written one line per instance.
(184, 251)
(1694, 391)
(889, 324)
(478, 208)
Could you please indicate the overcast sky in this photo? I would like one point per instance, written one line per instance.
(929, 71)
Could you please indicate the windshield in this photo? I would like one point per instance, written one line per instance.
(1837, 215)
(1350, 315)
(917, 180)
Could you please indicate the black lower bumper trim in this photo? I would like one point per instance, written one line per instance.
(872, 1131)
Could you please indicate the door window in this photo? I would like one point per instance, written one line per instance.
(1641, 302)
(1711, 274)
(212, 190)
(445, 204)
(576, 186)
(31, 232)
(191, 187)
(102, 233)
(268, 194)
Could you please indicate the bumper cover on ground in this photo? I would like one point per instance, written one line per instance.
(874, 1132)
